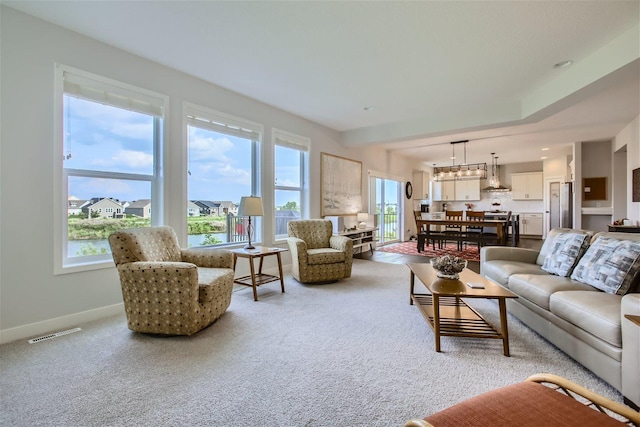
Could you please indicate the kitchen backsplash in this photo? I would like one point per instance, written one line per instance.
(488, 203)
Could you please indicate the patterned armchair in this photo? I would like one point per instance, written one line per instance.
(317, 255)
(168, 290)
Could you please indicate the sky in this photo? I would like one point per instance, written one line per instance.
(110, 139)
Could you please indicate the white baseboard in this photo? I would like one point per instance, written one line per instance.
(59, 323)
(73, 320)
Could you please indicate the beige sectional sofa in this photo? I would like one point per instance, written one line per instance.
(576, 295)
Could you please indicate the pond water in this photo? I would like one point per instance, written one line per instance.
(75, 246)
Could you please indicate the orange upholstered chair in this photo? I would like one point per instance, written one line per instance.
(533, 403)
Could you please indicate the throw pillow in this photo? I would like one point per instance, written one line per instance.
(610, 265)
(565, 253)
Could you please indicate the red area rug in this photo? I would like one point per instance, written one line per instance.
(411, 248)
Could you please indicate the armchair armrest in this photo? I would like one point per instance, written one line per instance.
(630, 348)
(341, 243)
(298, 247)
(160, 277)
(209, 258)
(489, 253)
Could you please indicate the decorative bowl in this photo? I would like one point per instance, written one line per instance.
(448, 266)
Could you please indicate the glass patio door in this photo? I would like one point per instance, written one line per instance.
(385, 203)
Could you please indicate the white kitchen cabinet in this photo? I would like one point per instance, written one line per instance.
(420, 185)
(527, 186)
(531, 224)
(444, 191)
(467, 190)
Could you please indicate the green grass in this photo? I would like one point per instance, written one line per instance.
(101, 228)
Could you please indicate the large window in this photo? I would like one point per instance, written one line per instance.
(291, 176)
(109, 148)
(223, 165)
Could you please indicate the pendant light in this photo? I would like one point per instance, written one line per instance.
(495, 175)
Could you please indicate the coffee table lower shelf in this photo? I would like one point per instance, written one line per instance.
(455, 318)
(260, 279)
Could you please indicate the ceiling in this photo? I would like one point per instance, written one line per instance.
(434, 72)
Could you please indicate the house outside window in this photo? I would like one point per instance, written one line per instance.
(223, 165)
(109, 145)
(291, 153)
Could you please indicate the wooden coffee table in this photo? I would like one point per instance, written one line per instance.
(448, 314)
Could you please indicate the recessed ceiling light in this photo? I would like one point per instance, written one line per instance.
(563, 64)
(369, 108)
(543, 158)
(545, 149)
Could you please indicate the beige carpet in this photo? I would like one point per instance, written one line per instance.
(353, 353)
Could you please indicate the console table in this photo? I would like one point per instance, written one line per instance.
(624, 228)
(362, 238)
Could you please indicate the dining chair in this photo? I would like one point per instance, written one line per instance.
(475, 232)
(490, 232)
(417, 215)
(453, 229)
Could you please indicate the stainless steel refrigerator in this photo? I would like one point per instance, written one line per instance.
(560, 205)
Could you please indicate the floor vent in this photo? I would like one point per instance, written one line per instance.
(54, 335)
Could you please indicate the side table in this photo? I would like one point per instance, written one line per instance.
(254, 280)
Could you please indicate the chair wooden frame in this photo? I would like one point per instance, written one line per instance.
(422, 229)
(453, 229)
(472, 229)
(583, 395)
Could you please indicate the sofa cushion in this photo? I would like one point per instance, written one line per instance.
(610, 265)
(325, 256)
(547, 245)
(500, 270)
(565, 254)
(538, 288)
(595, 312)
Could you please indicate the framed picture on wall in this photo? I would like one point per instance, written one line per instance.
(341, 185)
(636, 185)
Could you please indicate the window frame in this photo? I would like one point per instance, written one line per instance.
(159, 103)
(224, 123)
(281, 138)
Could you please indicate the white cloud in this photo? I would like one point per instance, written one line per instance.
(206, 149)
(134, 159)
(126, 161)
(141, 131)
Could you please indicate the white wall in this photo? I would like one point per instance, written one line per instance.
(33, 299)
(630, 136)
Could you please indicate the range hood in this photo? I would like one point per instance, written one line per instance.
(498, 189)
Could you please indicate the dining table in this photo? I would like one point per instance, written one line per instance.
(425, 236)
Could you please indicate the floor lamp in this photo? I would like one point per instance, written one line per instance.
(250, 206)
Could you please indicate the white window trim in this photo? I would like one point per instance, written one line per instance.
(61, 264)
(283, 138)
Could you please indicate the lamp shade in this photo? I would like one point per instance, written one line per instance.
(362, 216)
(250, 206)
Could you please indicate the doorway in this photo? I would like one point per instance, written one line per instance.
(558, 202)
(386, 204)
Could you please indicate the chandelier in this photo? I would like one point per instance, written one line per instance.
(459, 172)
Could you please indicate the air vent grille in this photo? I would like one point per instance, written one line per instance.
(54, 335)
